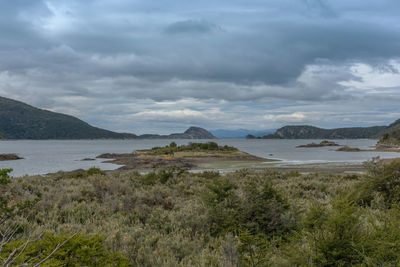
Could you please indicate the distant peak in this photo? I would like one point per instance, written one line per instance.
(194, 128)
(197, 132)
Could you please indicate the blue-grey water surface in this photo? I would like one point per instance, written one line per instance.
(41, 157)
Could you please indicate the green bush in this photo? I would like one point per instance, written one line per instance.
(262, 210)
(256, 210)
(4, 177)
(94, 171)
(160, 176)
(384, 180)
(172, 145)
(81, 250)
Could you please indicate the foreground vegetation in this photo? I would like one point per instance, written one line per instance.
(175, 218)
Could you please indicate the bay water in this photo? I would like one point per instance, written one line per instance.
(41, 157)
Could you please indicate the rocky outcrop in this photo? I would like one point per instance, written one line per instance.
(4, 157)
(191, 133)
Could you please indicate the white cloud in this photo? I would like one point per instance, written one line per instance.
(296, 117)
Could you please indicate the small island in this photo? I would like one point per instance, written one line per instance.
(4, 157)
(321, 144)
(349, 149)
(187, 157)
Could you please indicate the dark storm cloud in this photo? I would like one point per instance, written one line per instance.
(60, 53)
(191, 26)
(254, 48)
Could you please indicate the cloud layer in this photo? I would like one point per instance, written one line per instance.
(160, 66)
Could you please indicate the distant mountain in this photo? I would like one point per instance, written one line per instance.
(239, 133)
(311, 132)
(191, 133)
(21, 121)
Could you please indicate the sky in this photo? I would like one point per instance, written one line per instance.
(161, 66)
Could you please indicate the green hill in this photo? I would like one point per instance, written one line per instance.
(21, 121)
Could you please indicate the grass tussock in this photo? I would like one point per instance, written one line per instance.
(245, 218)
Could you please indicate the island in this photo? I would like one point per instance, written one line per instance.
(349, 149)
(321, 144)
(4, 157)
(190, 156)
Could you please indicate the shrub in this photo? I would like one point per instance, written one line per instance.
(94, 171)
(172, 145)
(383, 180)
(255, 210)
(80, 250)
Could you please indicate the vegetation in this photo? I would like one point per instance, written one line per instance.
(348, 149)
(191, 147)
(391, 139)
(174, 218)
(321, 144)
(4, 157)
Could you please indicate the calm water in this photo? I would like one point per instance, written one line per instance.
(41, 157)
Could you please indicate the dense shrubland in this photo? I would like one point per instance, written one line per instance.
(175, 218)
(191, 147)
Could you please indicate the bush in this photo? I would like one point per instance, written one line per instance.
(172, 145)
(78, 251)
(262, 210)
(384, 180)
(94, 171)
(255, 210)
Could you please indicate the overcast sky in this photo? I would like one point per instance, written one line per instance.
(160, 66)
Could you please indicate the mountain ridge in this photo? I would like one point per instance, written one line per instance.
(312, 132)
(19, 120)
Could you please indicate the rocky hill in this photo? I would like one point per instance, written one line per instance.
(191, 133)
(391, 136)
(21, 121)
(311, 132)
